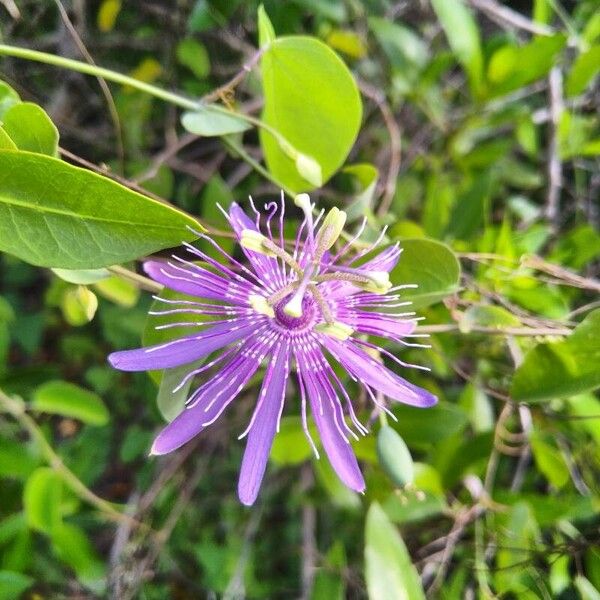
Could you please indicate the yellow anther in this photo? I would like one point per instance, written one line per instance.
(255, 241)
(260, 305)
(337, 330)
(331, 229)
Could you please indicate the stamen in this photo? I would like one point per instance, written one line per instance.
(339, 331)
(255, 241)
(330, 231)
(260, 305)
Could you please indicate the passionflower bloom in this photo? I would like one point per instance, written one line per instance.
(296, 307)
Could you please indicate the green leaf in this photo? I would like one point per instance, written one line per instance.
(212, 120)
(561, 369)
(512, 67)
(266, 32)
(70, 400)
(13, 584)
(6, 142)
(193, 55)
(429, 264)
(394, 457)
(549, 461)
(365, 175)
(290, 446)
(73, 547)
(418, 426)
(312, 100)
(487, 316)
(583, 71)
(170, 402)
(82, 276)
(16, 460)
(8, 98)
(119, 290)
(462, 32)
(388, 569)
(42, 499)
(31, 129)
(55, 215)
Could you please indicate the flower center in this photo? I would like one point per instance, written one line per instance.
(289, 322)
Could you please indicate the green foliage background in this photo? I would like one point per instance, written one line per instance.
(469, 128)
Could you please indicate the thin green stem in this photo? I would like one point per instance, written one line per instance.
(16, 409)
(233, 144)
(108, 74)
(153, 90)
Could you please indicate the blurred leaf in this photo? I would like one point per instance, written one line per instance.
(512, 67)
(407, 508)
(329, 583)
(394, 457)
(13, 584)
(82, 276)
(477, 405)
(16, 459)
(295, 69)
(462, 32)
(79, 305)
(148, 71)
(31, 129)
(407, 52)
(193, 55)
(211, 120)
(388, 568)
(340, 495)
(432, 266)
(583, 71)
(107, 15)
(118, 290)
(487, 316)
(565, 368)
(549, 461)
(346, 41)
(365, 175)
(290, 446)
(42, 499)
(418, 427)
(70, 400)
(73, 547)
(83, 220)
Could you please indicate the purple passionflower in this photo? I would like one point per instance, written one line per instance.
(294, 310)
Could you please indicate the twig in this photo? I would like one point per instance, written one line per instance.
(503, 15)
(517, 331)
(222, 90)
(112, 107)
(395, 145)
(554, 163)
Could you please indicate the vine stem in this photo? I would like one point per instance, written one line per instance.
(148, 88)
(16, 409)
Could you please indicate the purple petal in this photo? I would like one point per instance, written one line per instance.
(264, 424)
(329, 418)
(366, 369)
(194, 282)
(377, 324)
(184, 350)
(207, 403)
